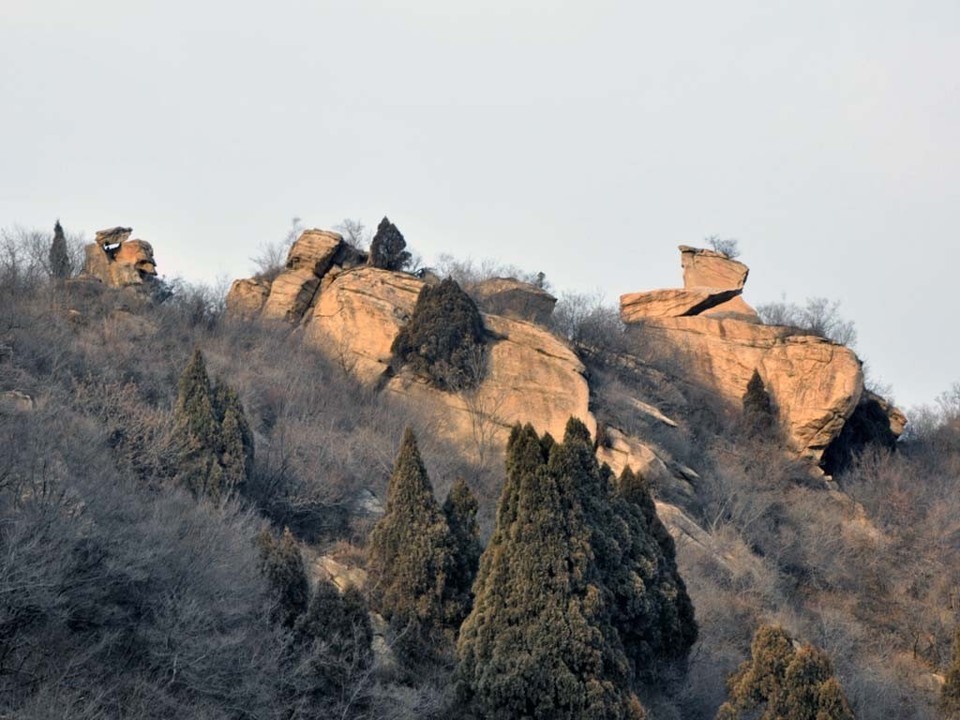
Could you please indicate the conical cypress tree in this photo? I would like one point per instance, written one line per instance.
(215, 441)
(460, 509)
(236, 450)
(673, 628)
(387, 249)
(282, 565)
(443, 339)
(651, 610)
(758, 414)
(538, 642)
(784, 682)
(199, 431)
(59, 259)
(410, 556)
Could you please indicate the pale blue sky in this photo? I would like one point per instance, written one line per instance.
(586, 140)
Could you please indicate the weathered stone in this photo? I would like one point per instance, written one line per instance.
(15, 401)
(532, 377)
(112, 236)
(118, 262)
(621, 451)
(898, 421)
(636, 307)
(291, 293)
(515, 299)
(815, 384)
(314, 250)
(359, 314)
(247, 297)
(137, 254)
(706, 268)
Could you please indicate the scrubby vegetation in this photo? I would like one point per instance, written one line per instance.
(128, 591)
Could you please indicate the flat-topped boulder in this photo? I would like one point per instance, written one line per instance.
(815, 384)
(514, 298)
(635, 307)
(708, 268)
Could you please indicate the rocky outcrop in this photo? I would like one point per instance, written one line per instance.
(118, 262)
(531, 376)
(315, 257)
(246, 298)
(815, 384)
(514, 298)
(620, 451)
(635, 307)
(357, 317)
(710, 269)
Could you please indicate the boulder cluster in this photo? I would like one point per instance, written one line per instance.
(117, 261)
(815, 384)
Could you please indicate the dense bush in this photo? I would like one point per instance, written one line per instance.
(444, 338)
(388, 248)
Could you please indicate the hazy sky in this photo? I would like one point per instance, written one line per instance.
(583, 139)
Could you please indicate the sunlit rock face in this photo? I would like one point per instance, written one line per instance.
(117, 261)
(715, 338)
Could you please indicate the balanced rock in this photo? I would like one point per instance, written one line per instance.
(815, 384)
(118, 262)
(514, 298)
(707, 268)
(635, 307)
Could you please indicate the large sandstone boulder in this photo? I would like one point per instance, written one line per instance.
(707, 268)
(672, 303)
(359, 314)
(531, 375)
(514, 298)
(118, 262)
(815, 384)
(246, 298)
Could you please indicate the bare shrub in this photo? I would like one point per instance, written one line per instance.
(817, 316)
(272, 255)
(724, 246)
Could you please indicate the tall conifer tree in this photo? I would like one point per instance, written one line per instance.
(538, 643)
(460, 509)
(410, 556)
(59, 258)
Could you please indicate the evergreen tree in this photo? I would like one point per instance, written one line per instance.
(784, 682)
(215, 442)
(410, 557)
(332, 646)
(443, 339)
(460, 510)
(282, 565)
(236, 438)
(199, 431)
(758, 414)
(539, 642)
(59, 258)
(387, 249)
(950, 693)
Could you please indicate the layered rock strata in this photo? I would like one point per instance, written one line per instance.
(117, 261)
